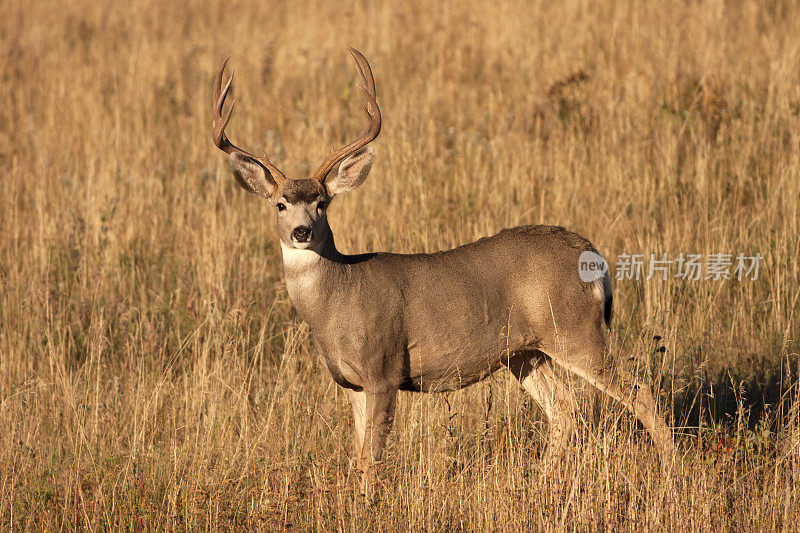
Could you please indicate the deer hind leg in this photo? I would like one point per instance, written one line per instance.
(534, 370)
(592, 362)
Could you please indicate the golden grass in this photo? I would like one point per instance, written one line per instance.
(152, 372)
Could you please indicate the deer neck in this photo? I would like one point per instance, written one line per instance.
(310, 273)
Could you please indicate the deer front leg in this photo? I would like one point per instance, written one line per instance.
(358, 399)
(373, 414)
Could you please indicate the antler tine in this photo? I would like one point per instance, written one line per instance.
(220, 121)
(363, 65)
(373, 112)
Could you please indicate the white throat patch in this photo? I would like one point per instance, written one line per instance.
(301, 277)
(295, 258)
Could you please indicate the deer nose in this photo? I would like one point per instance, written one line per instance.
(301, 234)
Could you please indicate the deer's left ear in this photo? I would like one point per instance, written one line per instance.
(352, 172)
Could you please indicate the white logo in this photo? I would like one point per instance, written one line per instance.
(591, 266)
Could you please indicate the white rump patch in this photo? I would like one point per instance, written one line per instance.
(602, 287)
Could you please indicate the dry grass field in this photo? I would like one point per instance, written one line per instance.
(153, 373)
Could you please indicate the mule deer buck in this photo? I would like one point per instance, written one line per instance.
(386, 322)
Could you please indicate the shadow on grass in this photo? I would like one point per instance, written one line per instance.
(738, 399)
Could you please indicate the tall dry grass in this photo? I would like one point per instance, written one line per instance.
(152, 372)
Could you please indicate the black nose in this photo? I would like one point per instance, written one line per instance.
(301, 233)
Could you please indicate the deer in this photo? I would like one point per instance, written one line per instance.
(432, 322)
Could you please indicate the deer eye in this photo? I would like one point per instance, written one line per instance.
(322, 205)
(280, 207)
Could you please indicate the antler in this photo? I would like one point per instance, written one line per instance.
(373, 127)
(219, 122)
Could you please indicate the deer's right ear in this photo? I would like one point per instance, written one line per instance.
(252, 176)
